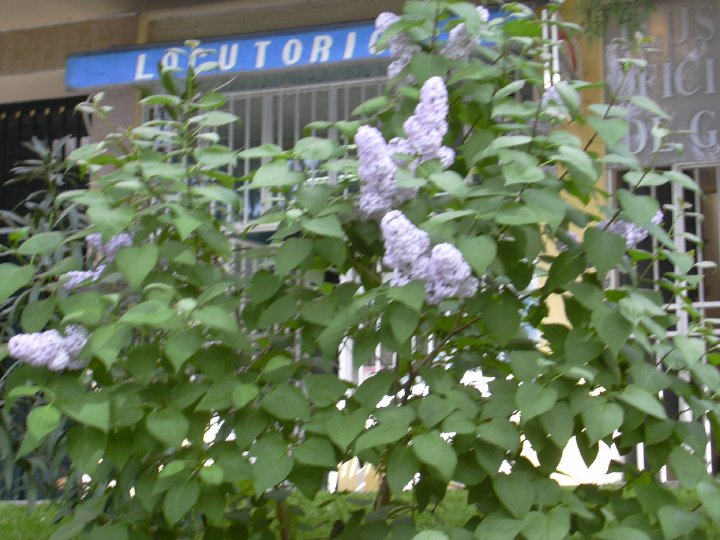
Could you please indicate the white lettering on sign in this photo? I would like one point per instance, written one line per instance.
(350, 45)
(261, 55)
(170, 59)
(710, 139)
(227, 56)
(140, 73)
(320, 51)
(681, 76)
(373, 40)
(292, 51)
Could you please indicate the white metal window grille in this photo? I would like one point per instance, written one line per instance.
(279, 116)
(692, 218)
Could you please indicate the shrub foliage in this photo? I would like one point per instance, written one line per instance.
(206, 392)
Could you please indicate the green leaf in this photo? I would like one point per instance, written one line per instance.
(688, 468)
(110, 221)
(533, 400)
(315, 148)
(371, 106)
(324, 390)
(179, 500)
(218, 318)
(498, 529)
(500, 433)
(555, 525)
(86, 448)
(243, 394)
(263, 286)
(578, 163)
(642, 400)
(602, 420)
(604, 249)
(181, 345)
(286, 402)
(212, 475)
(291, 254)
(612, 328)
(412, 294)
(151, 313)
(137, 262)
(709, 494)
(107, 341)
(433, 409)
(316, 452)
(516, 492)
(276, 174)
(214, 119)
(650, 106)
(502, 317)
(612, 130)
(281, 310)
(558, 422)
(262, 151)
(42, 421)
(640, 208)
(14, 277)
(509, 90)
(452, 183)
(622, 533)
(433, 451)
(401, 468)
(91, 409)
(215, 156)
(343, 429)
(373, 389)
(431, 534)
(403, 321)
(565, 268)
(85, 307)
(41, 244)
(169, 426)
(36, 314)
(324, 226)
(478, 251)
(381, 435)
(675, 522)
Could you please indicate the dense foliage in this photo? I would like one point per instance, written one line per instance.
(205, 393)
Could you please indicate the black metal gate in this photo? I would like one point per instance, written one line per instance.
(19, 123)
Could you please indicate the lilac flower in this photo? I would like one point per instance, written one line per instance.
(50, 348)
(460, 44)
(408, 254)
(632, 234)
(400, 47)
(448, 275)
(404, 243)
(376, 171)
(77, 278)
(426, 127)
(108, 250)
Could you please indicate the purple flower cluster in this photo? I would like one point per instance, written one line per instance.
(378, 190)
(632, 234)
(379, 160)
(427, 126)
(407, 252)
(51, 349)
(77, 278)
(401, 48)
(460, 44)
(107, 251)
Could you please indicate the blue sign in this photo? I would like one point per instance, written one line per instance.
(304, 47)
